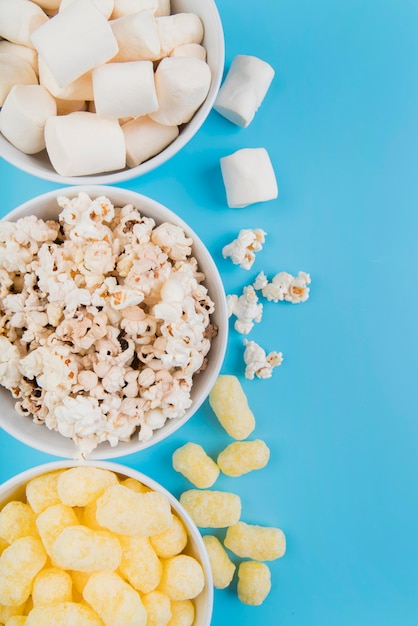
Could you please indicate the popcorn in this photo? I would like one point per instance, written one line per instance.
(246, 308)
(284, 286)
(230, 405)
(258, 363)
(223, 568)
(241, 457)
(254, 582)
(182, 577)
(211, 509)
(261, 543)
(242, 250)
(192, 461)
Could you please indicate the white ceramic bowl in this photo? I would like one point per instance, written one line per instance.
(39, 164)
(40, 437)
(14, 489)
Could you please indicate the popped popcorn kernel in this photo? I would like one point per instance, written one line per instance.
(223, 568)
(284, 287)
(241, 457)
(192, 461)
(245, 308)
(260, 543)
(211, 509)
(254, 582)
(258, 363)
(242, 250)
(230, 405)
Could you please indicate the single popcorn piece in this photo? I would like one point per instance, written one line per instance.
(182, 613)
(80, 548)
(80, 486)
(284, 287)
(244, 89)
(158, 607)
(19, 564)
(258, 363)
(249, 177)
(17, 520)
(260, 543)
(245, 308)
(140, 565)
(192, 461)
(63, 614)
(182, 577)
(242, 250)
(241, 457)
(230, 405)
(51, 585)
(211, 509)
(222, 567)
(254, 582)
(172, 541)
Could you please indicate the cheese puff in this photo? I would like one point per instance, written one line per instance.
(52, 521)
(17, 519)
(172, 541)
(230, 405)
(52, 585)
(7, 612)
(158, 607)
(16, 620)
(3, 545)
(241, 457)
(182, 577)
(82, 485)
(135, 485)
(254, 582)
(182, 613)
(63, 614)
(42, 491)
(139, 564)
(261, 543)
(211, 509)
(85, 550)
(192, 461)
(115, 601)
(222, 567)
(19, 564)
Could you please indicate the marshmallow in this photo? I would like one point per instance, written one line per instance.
(124, 89)
(182, 84)
(48, 5)
(29, 54)
(145, 138)
(23, 117)
(163, 8)
(189, 50)
(18, 20)
(248, 177)
(243, 90)
(128, 7)
(137, 37)
(14, 70)
(79, 89)
(175, 30)
(84, 143)
(104, 6)
(75, 41)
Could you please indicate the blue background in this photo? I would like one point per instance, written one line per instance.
(340, 123)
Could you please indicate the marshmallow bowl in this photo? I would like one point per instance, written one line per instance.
(131, 86)
(114, 322)
(98, 543)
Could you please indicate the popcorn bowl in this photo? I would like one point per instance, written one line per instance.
(14, 490)
(48, 439)
(39, 165)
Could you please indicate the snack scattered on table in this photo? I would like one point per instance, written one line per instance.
(246, 308)
(258, 363)
(242, 250)
(284, 286)
(254, 582)
(241, 457)
(249, 177)
(230, 405)
(192, 461)
(210, 508)
(223, 568)
(261, 543)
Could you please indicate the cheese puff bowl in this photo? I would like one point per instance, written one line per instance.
(114, 322)
(159, 73)
(85, 542)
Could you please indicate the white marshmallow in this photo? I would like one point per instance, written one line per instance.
(175, 30)
(145, 138)
(248, 177)
(18, 20)
(83, 143)
(243, 89)
(69, 106)
(75, 41)
(182, 84)
(48, 5)
(23, 117)
(128, 7)
(79, 89)
(124, 89)
(190, 50)
(104, 6)
(137, 37)
(29, 54)
(13, 71)
(163, 8)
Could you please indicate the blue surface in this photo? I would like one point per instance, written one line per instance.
(340, 123)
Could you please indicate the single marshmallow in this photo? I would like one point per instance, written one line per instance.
(128, 7)
(75, 41)
(29, 54)
(104, 6)
(124, 89)
(145, 138)
(48, 5)
(182, 85)
(23, 117)
(189, 50)
(18, 20)
(163, 8)
(69, 106)
(137, 37)
(14, 70)
(248, 177)
(79, 89)
(175, 30)
(84, 143)
(244, 89)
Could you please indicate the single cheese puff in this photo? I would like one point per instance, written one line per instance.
(16, 620)
(182, 577)
(19, 564)
(114, 600)
(42, 491)
(82, 485)
(223, 568)
(172, 541)
(192, 461)
(158, 607)
(139, 564)
(7, 612)
(79, 548)
(230, 405)
(63, 614)
(261, 543)
(182, 613)
(242, 457)
(17, 519)
(52, 521)
(135, 485)
(52, 585)
(125, 512)
(212, 509)
(254, 582)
